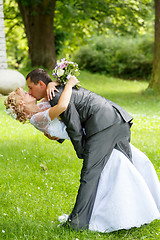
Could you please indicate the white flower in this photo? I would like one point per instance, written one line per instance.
(18, 210)
(3, 231)
(11, 113)
(68, 77)
(63, 218)
(64, 69)
(60, 72)
(8, 111)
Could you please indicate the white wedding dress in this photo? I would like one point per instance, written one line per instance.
(128, 194)
(42, 122)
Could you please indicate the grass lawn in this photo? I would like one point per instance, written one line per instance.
(32, 199)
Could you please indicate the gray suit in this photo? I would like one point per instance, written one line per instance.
(106, 126)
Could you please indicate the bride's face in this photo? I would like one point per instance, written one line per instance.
(24, 97)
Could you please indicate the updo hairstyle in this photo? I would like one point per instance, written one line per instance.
(14, 109)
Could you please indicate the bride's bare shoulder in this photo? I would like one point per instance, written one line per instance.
(44, 104)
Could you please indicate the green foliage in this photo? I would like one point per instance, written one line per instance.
(60, 38)
(118, 56)
(16, 42)
(74, 21)
(81, 20)
(32, 199)
(86, 17)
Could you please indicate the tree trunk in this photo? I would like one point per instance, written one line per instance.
(38, 21)
(3, 55)
(155, 78)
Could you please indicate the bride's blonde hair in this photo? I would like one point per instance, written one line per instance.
(14, 109)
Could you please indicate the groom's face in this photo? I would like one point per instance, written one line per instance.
(36, 90)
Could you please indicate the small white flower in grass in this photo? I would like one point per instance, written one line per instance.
(30, 195)
(43, 167)
(59, 225)
(3, 231)
(4, 214)
(18, 209)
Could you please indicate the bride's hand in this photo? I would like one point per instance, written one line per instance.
(73, 81)
(51, 87)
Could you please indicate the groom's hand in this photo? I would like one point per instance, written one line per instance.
(51, 138)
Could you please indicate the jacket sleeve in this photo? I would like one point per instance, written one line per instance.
(72, 121)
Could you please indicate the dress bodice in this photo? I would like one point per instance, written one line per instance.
(42, 122)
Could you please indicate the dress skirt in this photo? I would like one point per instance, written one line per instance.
(128, 194)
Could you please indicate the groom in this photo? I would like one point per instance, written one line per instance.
(95, 126)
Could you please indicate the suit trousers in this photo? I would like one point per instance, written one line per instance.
(97, 151)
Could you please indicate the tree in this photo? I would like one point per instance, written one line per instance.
(38, 21)
(74, 19)
(3, 57)
(155, 78)
(81, 17)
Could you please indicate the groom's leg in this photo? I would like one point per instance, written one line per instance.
(97, 152)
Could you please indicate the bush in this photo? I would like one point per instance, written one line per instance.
(118, 56)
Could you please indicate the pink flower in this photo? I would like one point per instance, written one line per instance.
(63, 65)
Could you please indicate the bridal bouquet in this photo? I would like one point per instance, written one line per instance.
(64, 70)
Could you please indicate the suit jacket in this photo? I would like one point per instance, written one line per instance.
(88, 111)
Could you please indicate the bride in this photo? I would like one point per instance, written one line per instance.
(128, 194)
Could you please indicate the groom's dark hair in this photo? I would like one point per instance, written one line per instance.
(39, 74)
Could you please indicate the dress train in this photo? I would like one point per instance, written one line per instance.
(128, 195)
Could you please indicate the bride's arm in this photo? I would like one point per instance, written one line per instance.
(64, 99)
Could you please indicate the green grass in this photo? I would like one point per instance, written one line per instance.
(32, 199)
